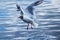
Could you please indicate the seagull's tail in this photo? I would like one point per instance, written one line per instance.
(35, 24)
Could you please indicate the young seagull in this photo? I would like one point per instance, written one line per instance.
(27, 15)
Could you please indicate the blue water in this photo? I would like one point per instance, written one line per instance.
(48, 17)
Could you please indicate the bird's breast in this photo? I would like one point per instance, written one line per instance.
(27, 20)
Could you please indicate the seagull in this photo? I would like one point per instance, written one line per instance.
(27, 15)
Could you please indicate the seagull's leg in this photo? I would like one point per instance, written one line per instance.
(31, 26)
(27, 26)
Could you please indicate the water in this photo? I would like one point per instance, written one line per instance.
(48, 16)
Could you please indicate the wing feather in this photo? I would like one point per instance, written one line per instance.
(19, 9)
(30, 7)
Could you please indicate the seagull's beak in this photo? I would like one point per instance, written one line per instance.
(19, 17)
(18, 10)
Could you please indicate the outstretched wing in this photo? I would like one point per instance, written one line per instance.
(30, 7)
(19, 9)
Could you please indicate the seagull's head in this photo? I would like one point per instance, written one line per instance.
(20, 17)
